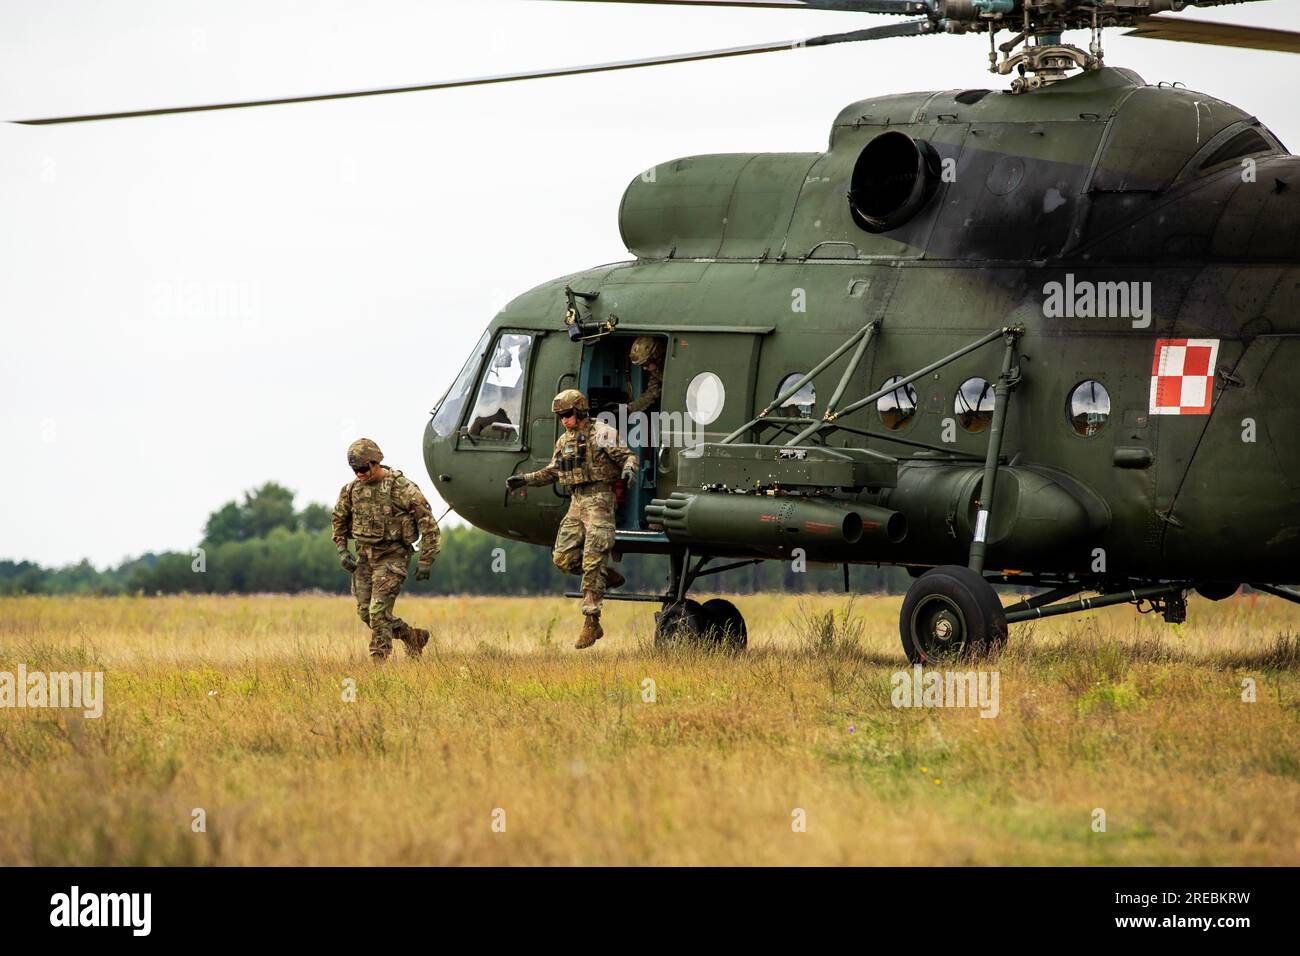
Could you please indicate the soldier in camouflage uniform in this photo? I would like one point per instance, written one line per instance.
(648, 353)
(588, 459)
(385, 513)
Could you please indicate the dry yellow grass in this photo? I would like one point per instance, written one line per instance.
(234, 705)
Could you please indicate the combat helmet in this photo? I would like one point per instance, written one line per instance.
(567, 399)
(362, 453)
(645, 348)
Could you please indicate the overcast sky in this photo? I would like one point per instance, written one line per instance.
(193, 305)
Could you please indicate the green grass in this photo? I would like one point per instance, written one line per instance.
(236, 706)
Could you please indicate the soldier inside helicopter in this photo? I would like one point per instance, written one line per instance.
(622, 377)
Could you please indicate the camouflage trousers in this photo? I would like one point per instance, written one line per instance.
(378, 579)
(584, 541)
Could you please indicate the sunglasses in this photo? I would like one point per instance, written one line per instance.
(572, 412)
(362, 470)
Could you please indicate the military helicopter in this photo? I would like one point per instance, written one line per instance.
(1038, 336)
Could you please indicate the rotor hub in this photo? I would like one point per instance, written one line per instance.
(1042, 65)
(1042, 59)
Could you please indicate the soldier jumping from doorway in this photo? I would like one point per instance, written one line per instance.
(587, 460)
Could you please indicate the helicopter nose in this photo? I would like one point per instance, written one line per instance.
(437, 462)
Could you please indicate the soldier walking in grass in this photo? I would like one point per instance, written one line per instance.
(385, 513)
(588, 459)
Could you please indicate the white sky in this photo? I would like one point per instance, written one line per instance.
(193, 305)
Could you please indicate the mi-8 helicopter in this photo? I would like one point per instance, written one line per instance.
(1036, 336)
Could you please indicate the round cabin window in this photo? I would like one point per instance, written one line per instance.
(705, 397)
(974, 405)
(802, 402)
(1089, 408)
(898, 407)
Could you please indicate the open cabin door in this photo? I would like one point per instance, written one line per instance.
(557, 369)
(708, 391)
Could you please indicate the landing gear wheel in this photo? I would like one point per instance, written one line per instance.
(950, 613)
(727, 625)
(681, 623)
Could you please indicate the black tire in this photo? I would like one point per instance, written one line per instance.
(681, 623)
(726, 625)
(951, 613)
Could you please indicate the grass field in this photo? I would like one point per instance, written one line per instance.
(235, 706)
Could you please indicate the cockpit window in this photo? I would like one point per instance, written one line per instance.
(447, 413)
(1246, 143)
(498, 413)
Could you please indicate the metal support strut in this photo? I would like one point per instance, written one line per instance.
(1105, 600)
(1285, 594)
(1007, 380)
(861, 338)
(680, 580)
(1042, 600)
(830, 421)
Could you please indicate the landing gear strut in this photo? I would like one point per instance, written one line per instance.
(951, 612)
(683, 621)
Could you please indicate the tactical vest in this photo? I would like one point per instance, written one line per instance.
(580, 460)
(377, 516)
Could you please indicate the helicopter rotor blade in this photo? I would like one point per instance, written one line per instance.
(1183, 4)
(1216, 34)
(900, 7)
(907, 28)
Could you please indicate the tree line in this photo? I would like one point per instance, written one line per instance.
(264, 544)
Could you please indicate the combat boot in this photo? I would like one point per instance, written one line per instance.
(381, 645)
(414, 638)
(613, 579)
(591, 631)
(416, 641)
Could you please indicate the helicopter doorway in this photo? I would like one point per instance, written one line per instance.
(619, 393)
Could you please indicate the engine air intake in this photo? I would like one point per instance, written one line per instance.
(894, 177)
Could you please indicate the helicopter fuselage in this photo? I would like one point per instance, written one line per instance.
(1146, 240)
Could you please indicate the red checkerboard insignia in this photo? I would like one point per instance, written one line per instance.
(1182, 376)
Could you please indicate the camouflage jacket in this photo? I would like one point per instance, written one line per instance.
(650, 397)
(585, 455)
(390, 510)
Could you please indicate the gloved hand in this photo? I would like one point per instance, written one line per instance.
(422, 571)
(347, 562)
(515, 482)
(629, 475)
